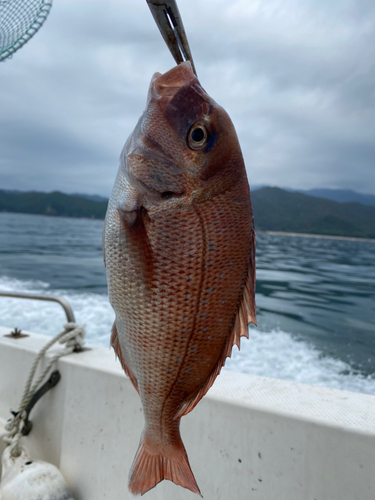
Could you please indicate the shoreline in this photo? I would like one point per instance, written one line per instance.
(261, 231)
(54, 216)
(320, 236)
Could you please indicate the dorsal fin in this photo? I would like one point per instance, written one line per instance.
(246, 314)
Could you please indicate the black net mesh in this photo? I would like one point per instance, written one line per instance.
(19, 21)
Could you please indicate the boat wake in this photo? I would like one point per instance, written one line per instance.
(275, 354)
(48, 318)
(279, 354)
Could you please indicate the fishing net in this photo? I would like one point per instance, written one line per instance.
(19, 21)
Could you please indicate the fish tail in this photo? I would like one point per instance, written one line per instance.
(154, 462)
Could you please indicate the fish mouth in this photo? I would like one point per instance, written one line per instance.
(165, 87)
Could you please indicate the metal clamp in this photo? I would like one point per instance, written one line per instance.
(51, 382)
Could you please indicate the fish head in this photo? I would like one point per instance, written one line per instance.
(185, 143)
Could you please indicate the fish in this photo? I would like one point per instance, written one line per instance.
(179, 249)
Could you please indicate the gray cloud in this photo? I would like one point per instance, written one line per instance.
(298, 80)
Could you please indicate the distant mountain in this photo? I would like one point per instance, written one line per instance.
(342, 196)
(55, 203)
(92, 197)
(339, 195)
(279, 210)
(255, 187)
(275, 209)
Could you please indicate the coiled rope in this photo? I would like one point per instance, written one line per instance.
(73, 338)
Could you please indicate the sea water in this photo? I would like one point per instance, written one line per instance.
(315, 298)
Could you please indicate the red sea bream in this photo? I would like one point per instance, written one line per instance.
(179, 251)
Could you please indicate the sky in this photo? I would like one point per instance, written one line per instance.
(297, 78)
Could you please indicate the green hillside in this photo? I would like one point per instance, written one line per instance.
(274, 210)
(54, 203)
(279, 210)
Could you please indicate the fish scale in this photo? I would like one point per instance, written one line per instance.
(170, 282)
(179, 251)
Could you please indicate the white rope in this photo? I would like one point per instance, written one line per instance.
(73, 338)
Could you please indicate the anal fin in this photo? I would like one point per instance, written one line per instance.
(117, 348)
(246, 314)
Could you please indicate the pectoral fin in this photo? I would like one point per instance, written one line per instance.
(133, 235)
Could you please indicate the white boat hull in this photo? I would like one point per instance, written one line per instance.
(249, 438)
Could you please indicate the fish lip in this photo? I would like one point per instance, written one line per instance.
(164, 87)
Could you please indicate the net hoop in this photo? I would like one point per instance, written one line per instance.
(35, 26)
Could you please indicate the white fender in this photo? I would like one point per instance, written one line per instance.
(24, 478)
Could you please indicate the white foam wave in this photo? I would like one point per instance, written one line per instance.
(48, 318)
(278, 354)
(274, 354)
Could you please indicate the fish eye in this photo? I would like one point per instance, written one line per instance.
(197, 136)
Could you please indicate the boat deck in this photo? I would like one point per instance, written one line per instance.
(249, 438)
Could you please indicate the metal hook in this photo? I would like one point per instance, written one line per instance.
(169, 22)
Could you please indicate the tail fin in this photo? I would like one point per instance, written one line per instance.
(149, 467)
